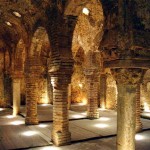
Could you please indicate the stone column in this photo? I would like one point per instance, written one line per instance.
(69, 96)
(91, 73)
(50, 90)
(33, 72)
(127, 81)
(92, 93)
(1, 89)
(139, 125)
(103, 88)
(60, 131)
(16, 96)
(7, 90)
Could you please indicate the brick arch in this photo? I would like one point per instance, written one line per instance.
(91, 26)
(34, 72)
(87, 34)
(19, 56)
(78, 6)
(37, 41)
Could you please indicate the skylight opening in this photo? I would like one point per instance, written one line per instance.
(17, 14)
(85, 11)
(8, 23)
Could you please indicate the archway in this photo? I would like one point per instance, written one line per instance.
(36, 74)
(87, 36)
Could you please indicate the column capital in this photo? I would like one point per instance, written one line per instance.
(90, 71)
(127, 76)
(60, 81)
(63, 67)
(33, 67)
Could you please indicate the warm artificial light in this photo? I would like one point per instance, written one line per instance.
(42, 125)
(29, 133)
(100, 125)
(44, 104)
(104, 118)
(80, 85)
(146, 107)
(51, 148)
(84, 101)
(10, 116)
(139, 137)
(1, 109)
(77, 116)
(17, 122)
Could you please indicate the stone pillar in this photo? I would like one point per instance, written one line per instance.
(1, 89)
(60, 70)
(103, 88)
(60, 131)
(92, 84)
(92, 93)
(16, 96)
(7, 90)
(127, 81)
(50, 90)
(138, 110)
(33, 72)
(69, 96)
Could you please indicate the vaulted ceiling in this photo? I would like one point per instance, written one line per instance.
(18, 19)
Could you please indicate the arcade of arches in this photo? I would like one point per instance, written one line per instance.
(61, 52)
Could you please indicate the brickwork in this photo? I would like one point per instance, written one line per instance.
(43, 91)
(103, 90)
(119, 29)
(60, 70)
(32, 75)
(60, 132)
(92, 96)
(92, 85)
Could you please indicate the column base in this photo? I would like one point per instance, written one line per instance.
(93, 115)
(31, 121)
(61, 138)
(15, 112)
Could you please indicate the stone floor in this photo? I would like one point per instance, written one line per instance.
(86, 134)
(142, 143)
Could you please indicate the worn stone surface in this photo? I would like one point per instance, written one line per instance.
(138, 109)
(127, 82)
(16, 96)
